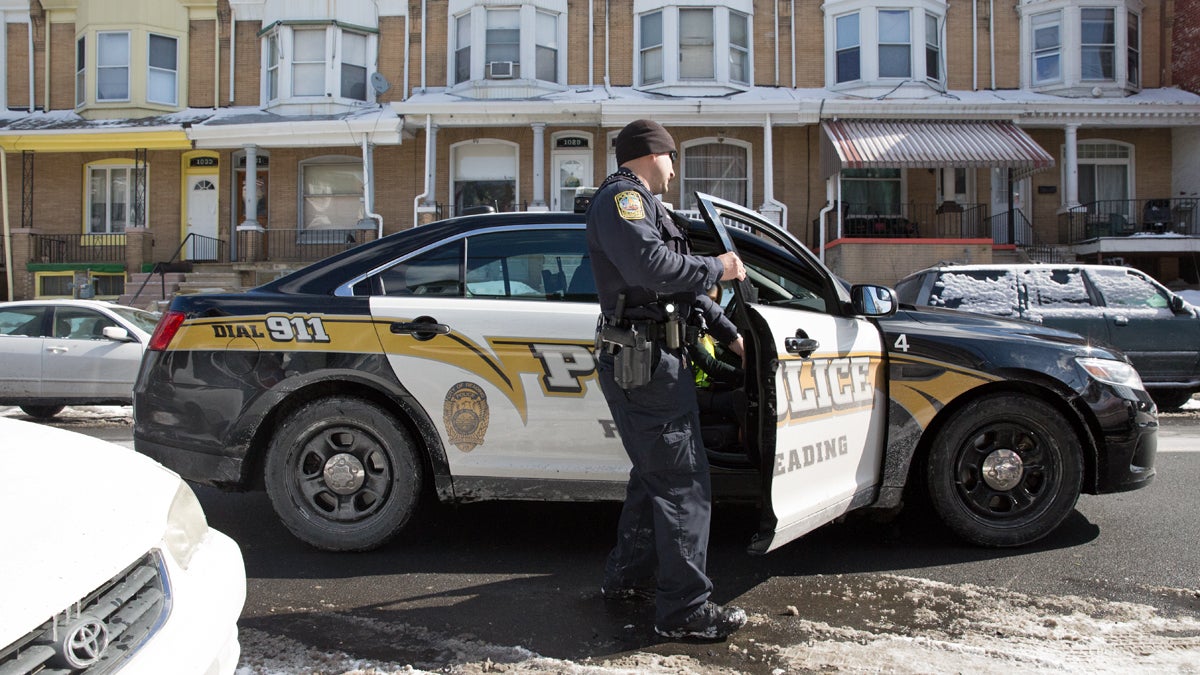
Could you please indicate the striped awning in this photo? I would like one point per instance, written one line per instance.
(917, 144)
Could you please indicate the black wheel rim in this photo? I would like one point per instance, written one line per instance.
(1030, 492)
(338, 503)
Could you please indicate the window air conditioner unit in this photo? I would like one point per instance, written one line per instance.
(500, 70)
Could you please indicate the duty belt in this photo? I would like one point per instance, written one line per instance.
(670, 332)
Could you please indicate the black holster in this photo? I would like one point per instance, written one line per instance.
(633, 354)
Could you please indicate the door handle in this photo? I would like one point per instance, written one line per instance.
(801, 345)
(1121, 320)
(421, 328)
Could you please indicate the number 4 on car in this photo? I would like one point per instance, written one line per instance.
(455, 361)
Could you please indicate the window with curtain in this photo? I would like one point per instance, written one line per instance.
(308, 62)
(163, 76)
(1104, 171)
(112, 67)
(485, 174)
(547, 46)
(696, 44)
(111, 199)
(895, 43)
(651, 52)
(1047, 47)
(1098, 43)
(332, 195)
(719, 169)
(871, 192)
(848, 66)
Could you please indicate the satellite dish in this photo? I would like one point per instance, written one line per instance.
(380, 83)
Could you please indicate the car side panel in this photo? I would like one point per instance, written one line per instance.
(75, 368)
(21, 366)
(517, 383)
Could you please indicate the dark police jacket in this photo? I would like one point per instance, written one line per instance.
(637, 248)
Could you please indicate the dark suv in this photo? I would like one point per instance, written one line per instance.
(1118, 306)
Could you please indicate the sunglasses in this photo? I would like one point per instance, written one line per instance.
(674, 154)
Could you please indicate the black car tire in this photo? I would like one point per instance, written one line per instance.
(1037, 470)
(1170, 399)
(42, 412)
(343, 474)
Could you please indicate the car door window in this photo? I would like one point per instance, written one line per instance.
(1128, 290)
(22, 321)
(74, 323)
(437, 272)
(1058, 291)
(526, 265)
(983, 291)
(776, 277)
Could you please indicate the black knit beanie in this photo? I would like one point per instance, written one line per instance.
(642, 137)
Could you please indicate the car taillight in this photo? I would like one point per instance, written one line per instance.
(167, 326)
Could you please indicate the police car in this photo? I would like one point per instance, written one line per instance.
(457, 359)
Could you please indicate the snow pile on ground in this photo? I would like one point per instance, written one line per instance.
(892, 624)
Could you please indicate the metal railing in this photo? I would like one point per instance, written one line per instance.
(1011, 227)
(925, 221)
(78, 248)
(304, 245)
(1128, 217)
(200, 246)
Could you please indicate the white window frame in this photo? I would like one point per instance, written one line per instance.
(673, 47)
(1110, 47)
(743, 50)
(475, 51)
(80, 71)
(1071, 83)
(303, 196)
(869, 41)
(130, 196)
(455, 157)
(686, 192)
(100, 36)
(1042, 21)
(1128, 161)
(934, 48)
(847, 47)
(279, 64)
(151, 70)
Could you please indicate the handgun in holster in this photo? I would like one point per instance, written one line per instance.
(630, 348)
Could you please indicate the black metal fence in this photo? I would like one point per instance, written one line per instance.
(926, 221)
(303, 245)
(78, 248)
(1129, 217)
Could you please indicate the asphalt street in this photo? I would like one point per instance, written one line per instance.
(494, 582)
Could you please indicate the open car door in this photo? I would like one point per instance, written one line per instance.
(816, 370)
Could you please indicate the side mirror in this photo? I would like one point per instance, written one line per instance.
(871, 300)
(117, 334)
(1177, 305)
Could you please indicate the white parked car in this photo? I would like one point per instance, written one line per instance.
(109, 563)
(55, 353)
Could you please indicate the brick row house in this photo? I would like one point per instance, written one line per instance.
(257, 135)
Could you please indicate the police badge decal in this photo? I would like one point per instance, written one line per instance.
(466, 415)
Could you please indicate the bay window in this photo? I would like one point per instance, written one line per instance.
(307, 63)
(871, 46)
(1074, 49)
(695, 47)
(516, 45)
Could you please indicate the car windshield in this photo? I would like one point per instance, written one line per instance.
(146, 321)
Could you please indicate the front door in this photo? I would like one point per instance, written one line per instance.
(821, 373)
(571, 170)
(202, 218)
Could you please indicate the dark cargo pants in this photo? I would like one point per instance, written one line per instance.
(664, 525)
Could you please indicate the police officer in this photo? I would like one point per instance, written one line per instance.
(648, 281)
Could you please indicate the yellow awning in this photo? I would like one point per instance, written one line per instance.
(107, 140)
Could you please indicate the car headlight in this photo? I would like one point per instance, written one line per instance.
(186, 525)
(1117, 373)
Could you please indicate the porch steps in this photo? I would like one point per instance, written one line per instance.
(207, 279)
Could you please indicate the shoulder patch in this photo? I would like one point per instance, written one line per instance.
(629, 205)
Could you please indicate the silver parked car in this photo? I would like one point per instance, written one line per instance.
(55, 353)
